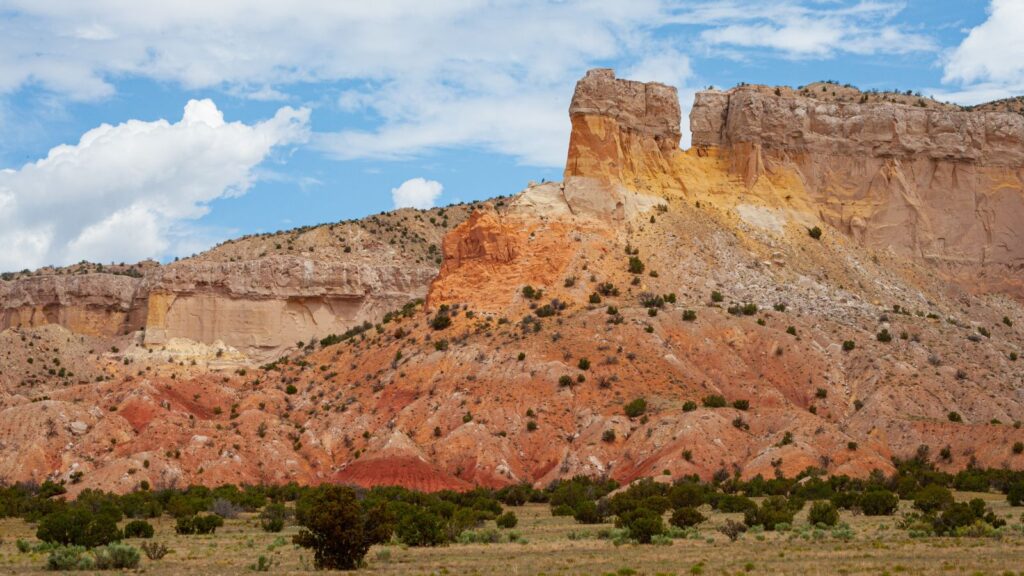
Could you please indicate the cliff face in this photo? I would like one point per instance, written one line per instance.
(625, 135)
(258, 295)
(93, 304)
(940, 185)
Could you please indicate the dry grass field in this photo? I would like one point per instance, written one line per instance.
(557, 545)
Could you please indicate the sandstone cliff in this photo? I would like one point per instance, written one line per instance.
(259, 294)
(938, 184)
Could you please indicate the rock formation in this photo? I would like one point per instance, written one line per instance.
(685, 278)
(942, 185)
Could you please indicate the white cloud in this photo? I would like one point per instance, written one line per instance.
(989, 63)
(803, 30)
(125, 192)
(493, 75)
(416, 193)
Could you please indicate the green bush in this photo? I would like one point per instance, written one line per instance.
(273, 517)
(689, 406)
(933, 498)
(823, 512)
(138, 529)
(773, 510)
(686, 517)
(117, 557)
(635, 408)
(78, 526)
(878, 503)
(741, 404)
(884, 335)
(714, 401)
(198, 524)
(420, 528)
(643, 524)
(814, 232)
(337, 528)
(507, 520)
(636, 266)
(587, 512)
(689, 315)
(849, 345)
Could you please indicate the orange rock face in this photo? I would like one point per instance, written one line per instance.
(686, 279)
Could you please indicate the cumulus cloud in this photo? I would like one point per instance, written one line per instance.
(416, 193)
(123, 192)
(989, 63)
(492, 75)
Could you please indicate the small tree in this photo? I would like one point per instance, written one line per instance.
(879, 503)
(337, 528)
(507, 520)
(823, 512)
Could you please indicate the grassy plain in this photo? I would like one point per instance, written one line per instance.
(557, 545)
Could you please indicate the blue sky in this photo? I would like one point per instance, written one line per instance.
(310, 112)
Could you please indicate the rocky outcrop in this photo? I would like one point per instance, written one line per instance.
(262, 305)
(941, 185)
(625, 135)
(96, 304)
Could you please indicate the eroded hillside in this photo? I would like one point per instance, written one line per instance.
(774, 298)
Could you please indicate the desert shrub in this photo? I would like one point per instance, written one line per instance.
(716, 296)
(732, 529)
(849, 345)
(225, 508)
(507, 520)
(741, 404)
(732, 503)
(635, 408)
(884, 335)
(772, 511)
(337, 528)
(642, 523)
(419, 527)
(78, 526)
(689, 315)
(116, 557)
(814, 232)
(66, 558)
(154, 550)
(878, 503)
(1015, 493)
(823, 512)
(198, 524)
(933, 498)
(954, 417)
(273, 517)
(686, 517)
(689, 406)
(138, 529)
(608, 436)
(687, 495)
(714, 401)
(587, 512)
(636, 266)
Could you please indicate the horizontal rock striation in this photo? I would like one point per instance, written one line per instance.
(938, 184)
